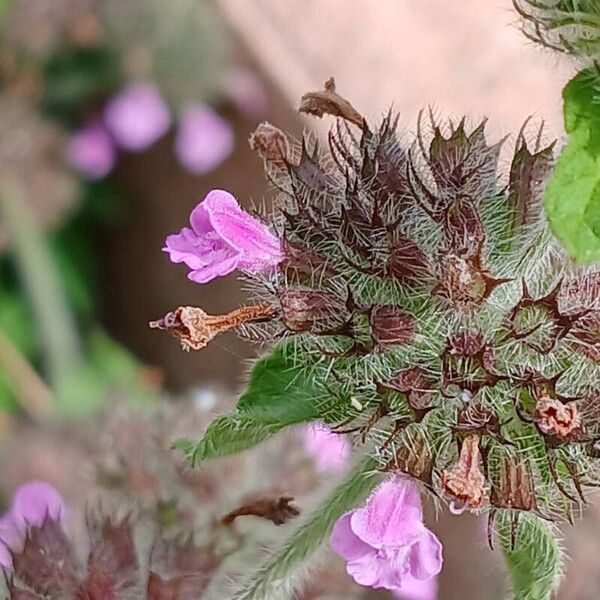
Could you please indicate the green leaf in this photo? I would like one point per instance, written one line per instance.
(226, 435)
(572, 195)
(279, 392)
(285, 568)
(535, 562)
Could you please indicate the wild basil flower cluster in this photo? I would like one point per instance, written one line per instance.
(422, 293)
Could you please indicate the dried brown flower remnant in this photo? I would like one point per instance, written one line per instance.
(195, 328)
(279, 510)
(271, 144)
(329, 102)
(553, 417)
(465, 481)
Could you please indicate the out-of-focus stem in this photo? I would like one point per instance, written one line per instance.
(32, 393)
(39, 276)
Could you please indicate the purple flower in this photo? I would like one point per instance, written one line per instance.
(385, 542)
(415, 589)
(247, 92)
(204, 140)
(329, 451)
(137, 116)
(32, 503)
(223, 237)
(92, 151)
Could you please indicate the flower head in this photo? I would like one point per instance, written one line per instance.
(222, 238)
(33, 503)
(91, 151)
(204, 140)
(329, 451)
(137, 117)
(386, 542)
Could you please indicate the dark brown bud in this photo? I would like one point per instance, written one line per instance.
(391, 326)
(305, 310)
(329, 102)
(413, 382)
(271, 144)
(465, 481)
(305, 262)
(195, 328)
(407, 262)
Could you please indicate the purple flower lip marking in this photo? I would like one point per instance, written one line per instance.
(204, 140)
(330, 452)
(91, 151)
(33, 503)
(385, 542)
(137, 117)
(222, 238)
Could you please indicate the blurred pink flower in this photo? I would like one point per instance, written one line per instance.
(91, 151)
(137, 116)
(330, 451)
(204, 140)
(386, 541)
(223, 237)
(415, 589)
(246, 90)
(32, 503)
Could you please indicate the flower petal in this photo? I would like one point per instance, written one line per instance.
(329, 451)
(392, 515)
(425, 558)
(34, 502)
(259, 246)
(345, 543)
(219, 268)
(417, 589)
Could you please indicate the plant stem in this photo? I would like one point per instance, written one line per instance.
(40, 279)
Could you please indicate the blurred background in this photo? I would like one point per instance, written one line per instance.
(116, 118)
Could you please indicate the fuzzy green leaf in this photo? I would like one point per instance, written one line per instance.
(279, 393)
(535, 562)
(226, 435)
(276, 579)
(572, 196)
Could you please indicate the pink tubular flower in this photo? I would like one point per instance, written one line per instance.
(32, 503)
(385, 543)
(137, 117)
(91, 151)
(329, 451)
(223, 237)
(204, 140)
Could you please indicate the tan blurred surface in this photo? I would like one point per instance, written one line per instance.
(464, 57)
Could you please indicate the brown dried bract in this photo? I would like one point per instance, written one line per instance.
(413, 457)
(514, 487)
(195, 328)
(465, 481)
(391, 326)
(271, 144)
(329, 102)
(276, 509)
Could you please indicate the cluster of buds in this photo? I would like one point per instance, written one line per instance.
(423, 292)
